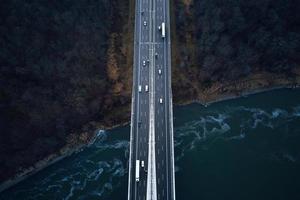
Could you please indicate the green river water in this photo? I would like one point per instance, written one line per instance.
(246, 148)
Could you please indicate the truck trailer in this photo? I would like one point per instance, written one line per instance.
(163, 30)
(137, 170)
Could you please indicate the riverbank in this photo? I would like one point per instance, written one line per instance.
(78, 143)
(215, 97)
(64, 152)
(247, 130)
(87, 139)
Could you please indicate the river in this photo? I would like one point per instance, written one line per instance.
(245, 148)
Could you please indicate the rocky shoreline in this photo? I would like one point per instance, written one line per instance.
(234, 96)
(69, 150)
(44, 163)
(64, 152)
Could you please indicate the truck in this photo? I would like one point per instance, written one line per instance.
(163, 30)
(137, 171)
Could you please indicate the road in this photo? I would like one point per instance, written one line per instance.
(151, 118)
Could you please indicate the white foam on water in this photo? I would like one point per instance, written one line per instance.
(114, 168)
(279, 112)
(108, 186)
(96, 174)
(103, 164)
(37, 196)
(238, 137)
(99, 194)
(261, 117)
(191, 133)
(119, 169)
(90, 161)
(256, 123)
(71, 193)
(121, 144)
(270, 119)
(65, 179)
(289, 157)
(53, 186)
(101, 136)
(283, 157)
(296, 112)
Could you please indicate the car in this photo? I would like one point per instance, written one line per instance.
(140, 88)
(160, 100)
(144, 63)
(159, 71)
(145, 23)
(140, 123)
(146, 88)
(156, 55)
(142, 12)
(159, 27)
(142, 164)
(148, 61)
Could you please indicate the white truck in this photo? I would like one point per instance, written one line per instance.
(163, 30)
(137, 170)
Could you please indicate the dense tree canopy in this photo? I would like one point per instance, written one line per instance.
(237, 37)
(53, 78)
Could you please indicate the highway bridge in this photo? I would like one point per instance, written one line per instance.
(151, 160)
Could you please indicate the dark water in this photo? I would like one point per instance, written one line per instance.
(247, 148)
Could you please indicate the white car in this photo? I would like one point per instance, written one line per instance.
(144, 63)
(145, 23)
(159, 71)
(146, 88)
(142, 164)
(159, 27)
(140, 88)
(160, 100)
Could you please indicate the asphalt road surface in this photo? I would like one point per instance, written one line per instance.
(151, 54)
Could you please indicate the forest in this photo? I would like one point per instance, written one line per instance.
(223, 41)
(56, 58)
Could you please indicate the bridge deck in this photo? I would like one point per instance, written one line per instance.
(151, 138)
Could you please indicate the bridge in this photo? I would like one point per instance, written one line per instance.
(151, 160)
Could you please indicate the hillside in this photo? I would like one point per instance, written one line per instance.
(223, 48)
(60, 75)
